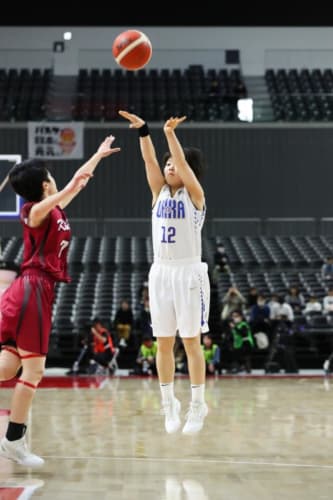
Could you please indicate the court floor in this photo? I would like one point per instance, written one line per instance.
(103, 438)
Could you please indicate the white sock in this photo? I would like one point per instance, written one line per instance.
(198, 393)
(167, 391)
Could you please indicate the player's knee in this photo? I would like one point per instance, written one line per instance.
(165, 344)
(33, 376)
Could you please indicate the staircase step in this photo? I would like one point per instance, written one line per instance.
(61, 97)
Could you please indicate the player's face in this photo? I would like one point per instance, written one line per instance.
(171, 175)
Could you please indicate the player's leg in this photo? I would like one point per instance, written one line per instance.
(164, 329)
(165, 365)
(192, 309)
(13, 446)
(197, 371)
(10, 362)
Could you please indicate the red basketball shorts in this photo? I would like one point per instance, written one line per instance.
(26, 312)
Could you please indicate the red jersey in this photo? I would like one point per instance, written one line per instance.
(46, 246)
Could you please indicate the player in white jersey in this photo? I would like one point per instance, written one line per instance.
(179, 290)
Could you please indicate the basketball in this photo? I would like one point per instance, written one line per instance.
(132, 49)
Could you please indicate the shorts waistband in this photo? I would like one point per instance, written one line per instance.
(178, 262)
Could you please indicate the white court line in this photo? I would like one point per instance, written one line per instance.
(193, 461)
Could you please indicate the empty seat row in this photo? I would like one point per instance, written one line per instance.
(201, 95)
(243, 251)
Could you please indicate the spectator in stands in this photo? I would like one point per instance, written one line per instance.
(144, 319)
(260, 315)
(26, 305)
(103, 348)
(233, 300)
(283, 311)
(243, 342)
(252, 297)
(327, 269)
(282, 339)
(212, 354)
(328, 302)
(296, 299)
(146, 359)
(123, 322)
(221, 262)
(283, 345)
(312, 305)
(274, 305)
(179, 287)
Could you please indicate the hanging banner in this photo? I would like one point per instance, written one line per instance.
(55, 140)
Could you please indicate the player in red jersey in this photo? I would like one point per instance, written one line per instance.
(26, 305)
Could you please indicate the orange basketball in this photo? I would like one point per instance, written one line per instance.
(132, 49)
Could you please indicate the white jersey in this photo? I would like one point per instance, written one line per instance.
(176, 226)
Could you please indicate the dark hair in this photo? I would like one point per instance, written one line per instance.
(27, 177)
(239, 312)
(96, 320)
(194, 158)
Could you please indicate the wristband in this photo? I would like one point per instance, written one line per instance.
(144, 130)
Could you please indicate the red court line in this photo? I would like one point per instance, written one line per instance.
(85, 381)
(62, 382)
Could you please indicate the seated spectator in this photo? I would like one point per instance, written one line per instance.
(313, 305)
(327, 269)
(123, 322)
(295, 298)
(146, 359)
(282, 311)
(273, 304)
(221, 262)
(212, 354)
(328, 302)
(243, 343)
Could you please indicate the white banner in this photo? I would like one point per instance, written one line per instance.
(55, 140)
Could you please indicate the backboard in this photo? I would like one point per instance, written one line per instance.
(10, 202)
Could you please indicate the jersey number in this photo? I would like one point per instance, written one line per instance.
(168, 234)
(64, 244)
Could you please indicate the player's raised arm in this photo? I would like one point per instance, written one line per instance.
(184, 170)
(154, 174)
(79, 180)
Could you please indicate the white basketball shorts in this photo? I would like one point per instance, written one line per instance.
(179, 297)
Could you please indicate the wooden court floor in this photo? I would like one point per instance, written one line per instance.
(104, 438)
